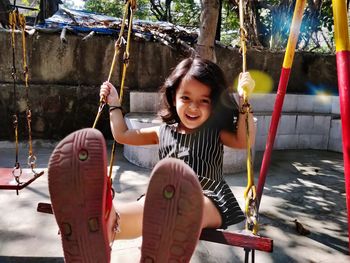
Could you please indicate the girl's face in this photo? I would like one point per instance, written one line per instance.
(193, 104)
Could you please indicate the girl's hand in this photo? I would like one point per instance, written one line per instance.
(109, 94)
(245, 85)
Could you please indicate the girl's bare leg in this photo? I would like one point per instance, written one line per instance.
(211, 215)
(131, 216)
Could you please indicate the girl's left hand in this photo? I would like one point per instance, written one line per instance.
(246, 84)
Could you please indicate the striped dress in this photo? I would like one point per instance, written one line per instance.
(203, 152)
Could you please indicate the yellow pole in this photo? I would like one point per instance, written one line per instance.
(294, 33)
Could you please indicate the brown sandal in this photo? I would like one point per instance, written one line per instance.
(172, 214)
(77, 175)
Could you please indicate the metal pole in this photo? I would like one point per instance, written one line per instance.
(341, 36)
(282, 87)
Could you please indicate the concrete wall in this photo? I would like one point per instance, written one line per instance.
(65, 78)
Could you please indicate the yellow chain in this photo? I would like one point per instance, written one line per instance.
(250, 190)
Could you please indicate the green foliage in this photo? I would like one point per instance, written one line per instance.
(186, 12)
(229, 25)
(106, 7)
(116, 8)
(273, 18)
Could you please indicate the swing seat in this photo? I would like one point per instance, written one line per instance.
(244, 240)
(8, 181)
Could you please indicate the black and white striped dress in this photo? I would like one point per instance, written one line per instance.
(203, 152)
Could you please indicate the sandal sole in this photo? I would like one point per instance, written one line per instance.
(173, 213)
(77, 185)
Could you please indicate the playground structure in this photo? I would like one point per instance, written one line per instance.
(343, 60)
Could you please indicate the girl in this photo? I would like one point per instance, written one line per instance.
(187, 191)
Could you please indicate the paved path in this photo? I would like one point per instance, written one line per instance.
(303, 185)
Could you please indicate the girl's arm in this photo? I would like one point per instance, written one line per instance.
(120, 131)
(239, 139)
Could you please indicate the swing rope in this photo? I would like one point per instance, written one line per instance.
(31, 156)
(130, 6)
(250, 190)
(249, 239)
(17, 170)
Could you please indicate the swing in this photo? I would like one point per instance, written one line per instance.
(16, 178)
(253, 242)
(250, 240)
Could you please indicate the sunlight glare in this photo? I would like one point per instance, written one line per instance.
(263, 81)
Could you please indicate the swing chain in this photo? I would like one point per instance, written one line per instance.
(126, 58)
(252, 213)
(118, 44)
(17, 168)
(251, 210)
(243, 36)
(13, 23)
(31, 161)
(246, 107)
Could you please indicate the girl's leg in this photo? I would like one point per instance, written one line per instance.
(211, 215)
(131, 216)
(130, 221)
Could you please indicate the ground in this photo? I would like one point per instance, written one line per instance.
(306, 185)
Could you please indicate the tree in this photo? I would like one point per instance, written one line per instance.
(116, 8)
(161, 11)
(48, 8)
(5, 8)
(267, 22)
(207, 29)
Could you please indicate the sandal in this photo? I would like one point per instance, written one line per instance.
(173, 213)
(81, 196)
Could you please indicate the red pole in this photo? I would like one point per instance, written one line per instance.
(282, 87)
(341, 36)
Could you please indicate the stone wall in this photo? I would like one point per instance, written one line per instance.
(65, 78)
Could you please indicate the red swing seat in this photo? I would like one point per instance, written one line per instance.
(8, 181)
(244, 240)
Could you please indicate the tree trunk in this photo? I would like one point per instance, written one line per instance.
(207, 29)
(218, 25)
(48, 8)
(4, 13)
(250, 23)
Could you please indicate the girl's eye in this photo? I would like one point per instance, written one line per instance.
(184, 98)
(205, 101)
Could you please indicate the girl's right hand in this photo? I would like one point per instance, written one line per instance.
(109, 94)
(246, 84)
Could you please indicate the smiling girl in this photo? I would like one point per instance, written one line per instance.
(187, 191)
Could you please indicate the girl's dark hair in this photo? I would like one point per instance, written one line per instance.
(224, 108)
